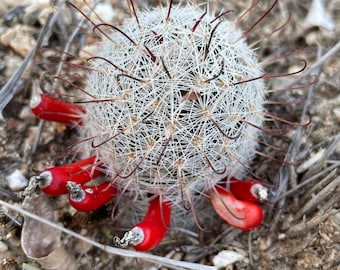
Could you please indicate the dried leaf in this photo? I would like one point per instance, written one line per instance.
(41, 242)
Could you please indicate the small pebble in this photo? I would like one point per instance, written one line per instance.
(3, 246)
(19, 41)
(282, 236)
(264, 243)
(336, 112)
(16, 180)
(105, 12)
(22, 44)
(226, 257)
(336, 219)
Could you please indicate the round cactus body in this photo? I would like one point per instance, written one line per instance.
(178, 106)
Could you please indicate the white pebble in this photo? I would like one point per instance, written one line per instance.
(226, 257)
(3, 246)
(336, 112)
(16, 180)
(105, 12)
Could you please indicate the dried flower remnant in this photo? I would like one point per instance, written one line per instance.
(173, 104)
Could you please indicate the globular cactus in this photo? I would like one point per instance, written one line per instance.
(173, 103)
(179, 115)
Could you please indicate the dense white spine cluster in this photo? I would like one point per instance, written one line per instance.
(183, 111)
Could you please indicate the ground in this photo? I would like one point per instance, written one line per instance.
(302, 224)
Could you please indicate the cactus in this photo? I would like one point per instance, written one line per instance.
(178, 109)
(173, 105)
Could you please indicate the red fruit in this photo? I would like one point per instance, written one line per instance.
(52, 109)
(53, 181)
(154, 226)
(244, 215)
(248, 190)
(89, 198)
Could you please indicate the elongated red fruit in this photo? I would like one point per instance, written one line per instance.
(52, 109)
(53, 181)
(248, 190)
(89, 198)
(154, 226)
(244, 215)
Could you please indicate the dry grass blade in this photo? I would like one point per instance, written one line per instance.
(322, 215)
(320, 197)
